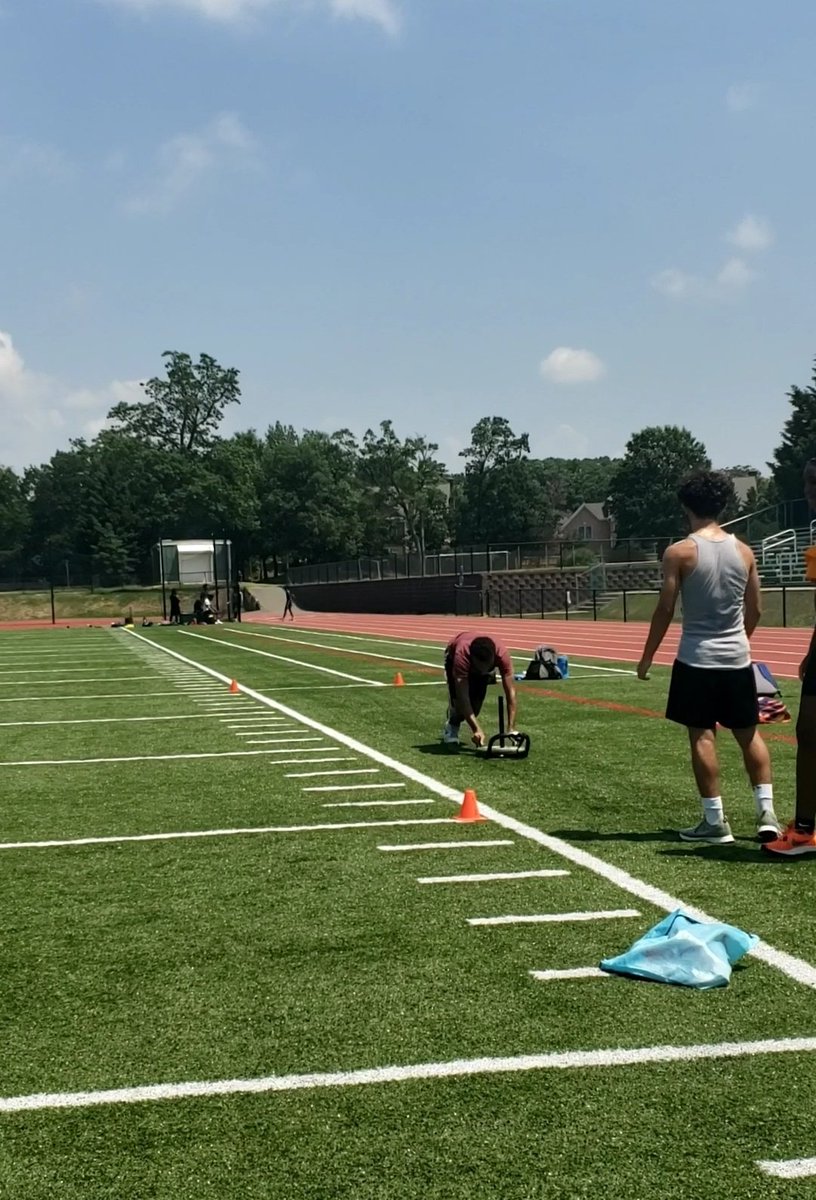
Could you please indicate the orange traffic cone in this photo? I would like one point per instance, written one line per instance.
(234, 689)
(470, 809)
(398, 680)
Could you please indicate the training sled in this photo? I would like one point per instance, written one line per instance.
(507, 745)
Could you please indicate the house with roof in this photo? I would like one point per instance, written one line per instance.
(589, 523)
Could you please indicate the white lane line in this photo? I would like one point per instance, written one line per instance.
(317, 774)
(354, 787)
(445, 845)
(457, 1068)
(491, 877)
(253, 730)
(788, 1168)
(396, 658)
(282, 658)
(89, 679)
(374, 803)
(72, 762)
(795, 968)
(82, 696)
(210, 833)
(104, 720)
(280, 741)
(575, 973)
(543, 918)
(64, 669)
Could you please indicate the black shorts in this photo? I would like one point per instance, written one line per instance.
(477, 688)
(809, 681)
(700, 698)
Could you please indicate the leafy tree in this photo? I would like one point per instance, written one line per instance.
(643, 490)
(14, 517)
(577, 481)
(183, 411)
(493, 448)
(798, 442)
(406, 483)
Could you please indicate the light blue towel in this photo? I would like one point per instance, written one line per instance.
(682, 950)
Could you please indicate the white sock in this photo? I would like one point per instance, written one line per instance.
(763, 797)
(713, 810)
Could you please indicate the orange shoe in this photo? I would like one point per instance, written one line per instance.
(792, 844)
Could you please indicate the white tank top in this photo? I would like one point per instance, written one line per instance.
(713, 599)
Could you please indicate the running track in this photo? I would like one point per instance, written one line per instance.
(612, 641)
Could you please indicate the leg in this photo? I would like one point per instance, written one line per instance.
(704, 762)
(806, 763)
(755, 755)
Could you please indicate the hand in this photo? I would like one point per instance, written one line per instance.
(643, 668)
(478, 738)
(803, 666)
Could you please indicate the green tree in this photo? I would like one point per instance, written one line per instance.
(14, 519)
(184, 411)
(493, 448)
(577, 481)
(798, 442)
(643, 490)
(406, 485)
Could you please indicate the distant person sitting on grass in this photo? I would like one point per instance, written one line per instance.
(800, 836)
(712, 679)
(470, 660)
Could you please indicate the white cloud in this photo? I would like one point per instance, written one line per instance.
(384, 13)
(735, 275)
(676, 284)
(751, 233)
(186, 159)
(741, 97)
(565, 365)
(39, 414)
(21, 158)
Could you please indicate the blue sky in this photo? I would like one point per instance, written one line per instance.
(584, 215)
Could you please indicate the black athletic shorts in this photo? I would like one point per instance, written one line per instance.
(701, 698)
(477, 687)
(809, 681)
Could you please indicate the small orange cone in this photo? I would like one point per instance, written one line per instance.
(470, 809)
(234, 689)
(398, 680)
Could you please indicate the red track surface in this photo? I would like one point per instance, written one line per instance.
(781, 649)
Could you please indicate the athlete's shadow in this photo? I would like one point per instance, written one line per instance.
(445, 751)
(592, 835)
(735, 853)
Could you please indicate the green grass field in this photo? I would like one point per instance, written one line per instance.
(71, 603)
(194, 1016)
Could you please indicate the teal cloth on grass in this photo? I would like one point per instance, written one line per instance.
(684, 951)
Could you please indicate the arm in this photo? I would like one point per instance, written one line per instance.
(753, 597)
(664, 610)
(510, 697)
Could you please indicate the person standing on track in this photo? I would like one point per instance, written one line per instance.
(800, 836)
(470, 660)
(712, 679)
(287, 608)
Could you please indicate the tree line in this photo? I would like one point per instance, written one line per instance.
(161, 469)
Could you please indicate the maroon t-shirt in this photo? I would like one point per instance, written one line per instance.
(459, 652)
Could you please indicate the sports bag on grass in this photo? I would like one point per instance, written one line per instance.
(684, 951)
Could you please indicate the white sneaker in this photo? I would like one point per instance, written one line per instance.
(450, 734)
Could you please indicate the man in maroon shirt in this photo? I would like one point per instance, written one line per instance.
(470, 660)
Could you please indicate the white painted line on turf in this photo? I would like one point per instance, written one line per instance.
(458, 1068)
(491, 877)
(788, 1168)
(72, 762)
(281, 741)
(102, 696)
(243, 732)
(88, 679)
(445, 845)
(281, 658)
(316, 774)
(547, 918)
(374, 803)
(574, 973)
(398, 658)
(105, 720)
(795, 968)
(354, 787)
(210, 833)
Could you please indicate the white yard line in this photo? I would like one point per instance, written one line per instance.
(492, 877)
(446, 845)
(354, 787)
(89, 679)
(574, 973)
(73, 762)
(281, 658)
(242, 731)
(105, 720)
(102, 696)
(374, 803)
(317, 774)
(795, 968)
(788, 1168)
(546, 918)
(210, 833)
(395, 658)
(457, 1068)
(280, 741)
